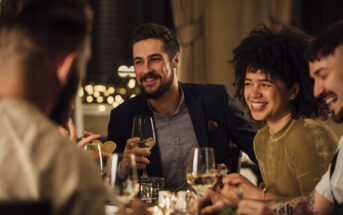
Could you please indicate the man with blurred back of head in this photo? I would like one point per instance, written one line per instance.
(44, 47)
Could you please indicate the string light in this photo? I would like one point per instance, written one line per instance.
(96, 94)
(89, 89)
(122, 91)
(118, 98)
(115, 104)
(81, 92)
(110, 99)
(111, 90)
(108, 95)
(131, 84)
(101, 108)
(100, 88)
(100, 99)
(89, 99)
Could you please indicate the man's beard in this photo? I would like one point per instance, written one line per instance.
(63, 108)
(163, 88)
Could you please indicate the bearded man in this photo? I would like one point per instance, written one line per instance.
(185, 115)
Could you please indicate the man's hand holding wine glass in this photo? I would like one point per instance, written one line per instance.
(140, 154)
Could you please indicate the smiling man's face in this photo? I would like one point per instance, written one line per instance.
(327, 73)
(155, 71)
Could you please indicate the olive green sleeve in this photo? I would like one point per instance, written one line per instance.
(310, 152)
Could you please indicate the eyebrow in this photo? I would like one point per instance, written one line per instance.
(150, 56)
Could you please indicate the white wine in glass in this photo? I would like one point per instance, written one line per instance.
(200, 170)
(143, 127)
(123, 190)
(147, 144)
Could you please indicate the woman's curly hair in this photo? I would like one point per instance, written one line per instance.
(280, 54)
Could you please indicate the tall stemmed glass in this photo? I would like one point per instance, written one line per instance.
(125, 188)
(143, 127)
(200, 170)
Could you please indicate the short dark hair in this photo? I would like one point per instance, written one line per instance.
(51, 28)
(279, 53)
(326, 42)
(152, 30)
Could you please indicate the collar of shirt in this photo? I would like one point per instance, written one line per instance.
(181, 106)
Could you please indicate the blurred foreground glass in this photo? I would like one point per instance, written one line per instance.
(143, 127)
(200, 170)
(123, 189)
(149, 188)
(102, 158)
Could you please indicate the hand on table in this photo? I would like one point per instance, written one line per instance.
(251, 207)
(141, 161)
(133, 207)
(250, 191)
(212, 202)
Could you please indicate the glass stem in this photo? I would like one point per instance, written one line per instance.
(145, 173)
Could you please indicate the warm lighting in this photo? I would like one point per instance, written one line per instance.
(118, 98)
(101, 108)
(110, 99)
(89, 99)
(100, 88)
(96, 94)
(131, 84)
(115, 104)
(100, 99)
(122, 91)
(107, 94)
(111, 90)
(124, 71)
(81, 92)
(89, 89)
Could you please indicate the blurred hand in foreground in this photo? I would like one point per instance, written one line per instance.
(252, 207)
(71, 133)
(133, 207)
(212, 202)
(138, 152)
(236, 180)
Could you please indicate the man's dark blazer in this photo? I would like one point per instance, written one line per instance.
(216, 117)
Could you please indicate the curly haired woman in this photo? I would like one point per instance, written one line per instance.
(295, 147)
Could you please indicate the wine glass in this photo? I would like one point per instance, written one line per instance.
(95, 149)
(143, 127)
(200, 169)
(126, 188)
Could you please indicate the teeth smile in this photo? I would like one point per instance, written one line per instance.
(330, 100)
(257, 105)
(149, 79)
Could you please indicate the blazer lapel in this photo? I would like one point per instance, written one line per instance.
(197, 114)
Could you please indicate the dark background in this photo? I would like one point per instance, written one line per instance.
(116, 19)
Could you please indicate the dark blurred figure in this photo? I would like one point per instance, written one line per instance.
(44, 47)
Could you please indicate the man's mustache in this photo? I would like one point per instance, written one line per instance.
(149, 75)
